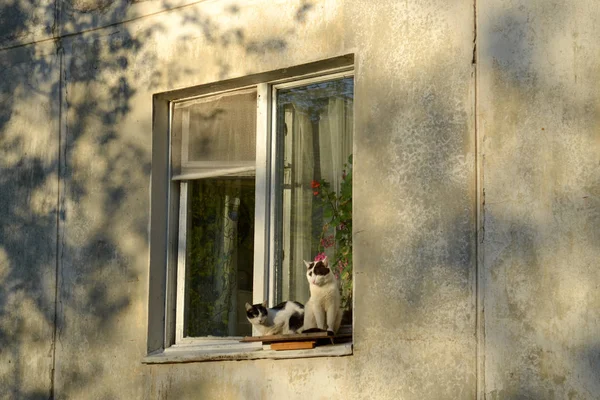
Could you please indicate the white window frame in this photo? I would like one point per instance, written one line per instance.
(185, 349)
(272, 289)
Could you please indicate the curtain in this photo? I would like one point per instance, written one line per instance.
(226, 280)
(215, 132)
(316, 146)
(335, 133)
(297, 198)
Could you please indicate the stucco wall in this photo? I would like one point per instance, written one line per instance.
(76, 123)
(540, 123)
(29, 125)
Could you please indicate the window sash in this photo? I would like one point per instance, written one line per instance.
(259, 169)
(181, 267)
(274, 290)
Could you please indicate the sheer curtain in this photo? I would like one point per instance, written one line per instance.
(318, 141)
(298, 198)
(335, 146)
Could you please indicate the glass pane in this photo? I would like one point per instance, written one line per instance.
(315, 125)
(219, 256)
(216, 130)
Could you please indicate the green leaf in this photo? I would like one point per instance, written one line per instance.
(346, 192)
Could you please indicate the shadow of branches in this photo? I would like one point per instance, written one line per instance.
(75, 164)
(74, 175)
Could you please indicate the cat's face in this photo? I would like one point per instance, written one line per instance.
(257, 313)
(318, 272)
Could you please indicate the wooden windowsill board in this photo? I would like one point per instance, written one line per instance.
(319, 338)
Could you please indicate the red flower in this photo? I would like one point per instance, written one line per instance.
(314, 184)
(320, 257)
(327, 241)
(315, 193)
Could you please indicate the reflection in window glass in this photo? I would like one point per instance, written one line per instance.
(314, 128)
(219, 256)
(215, 131)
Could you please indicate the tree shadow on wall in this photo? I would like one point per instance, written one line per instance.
(74, 184)
(47, 233)
(539, 245)
(542, 228)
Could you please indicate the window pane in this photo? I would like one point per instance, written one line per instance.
(315, 125)
(215, 131)
(219, 256)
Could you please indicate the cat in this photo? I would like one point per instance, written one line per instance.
(322, 310)
(283, 319)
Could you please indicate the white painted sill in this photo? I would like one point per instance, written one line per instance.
(240, 351)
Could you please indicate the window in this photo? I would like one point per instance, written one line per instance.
(260, 180)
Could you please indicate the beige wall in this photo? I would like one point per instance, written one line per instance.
(29, 103)
(540, 123)
(75, 135)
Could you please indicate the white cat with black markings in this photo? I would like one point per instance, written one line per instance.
(283, 319)
(322, 310)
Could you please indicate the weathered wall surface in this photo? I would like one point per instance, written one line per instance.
(414, 200)
(540, 124)
(23, 22)
(423, 341)
(29, 137)
(415, 193)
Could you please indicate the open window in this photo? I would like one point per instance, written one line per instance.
(260, 180)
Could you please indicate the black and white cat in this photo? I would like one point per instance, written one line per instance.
(283, 319)
(322, 310)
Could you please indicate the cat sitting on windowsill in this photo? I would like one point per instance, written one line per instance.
(322, 311)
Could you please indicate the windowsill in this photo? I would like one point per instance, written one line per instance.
(241, 351)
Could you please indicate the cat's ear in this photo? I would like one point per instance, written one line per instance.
(307, 264)
(325, 261)
(264, 304)
(248, 307)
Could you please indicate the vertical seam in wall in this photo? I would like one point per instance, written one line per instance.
(59, 213)
(56, 24)
(480, 219)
